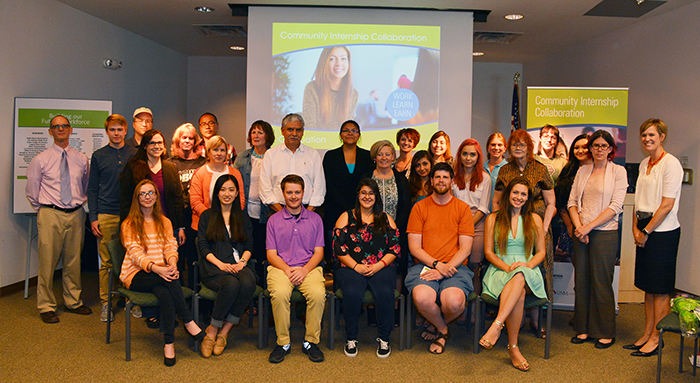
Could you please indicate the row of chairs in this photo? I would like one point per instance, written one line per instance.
(261, 299)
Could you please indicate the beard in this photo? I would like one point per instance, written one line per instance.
(441, 190)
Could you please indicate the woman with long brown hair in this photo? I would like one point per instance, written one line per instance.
(150, 263)
(512, 235)
(329, 97)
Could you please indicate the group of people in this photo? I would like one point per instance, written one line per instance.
(429, 223)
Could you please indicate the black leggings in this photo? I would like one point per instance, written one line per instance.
(169, 296)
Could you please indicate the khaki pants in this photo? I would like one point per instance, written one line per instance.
(60, 234)
(314, 290)
(109, 225)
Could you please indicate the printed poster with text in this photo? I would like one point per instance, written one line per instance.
(32, 118)
(576, 111)
(386, 77)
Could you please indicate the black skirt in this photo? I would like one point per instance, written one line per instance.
(655, 265)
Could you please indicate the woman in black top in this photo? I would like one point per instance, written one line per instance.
(225, 242)
(343, 168)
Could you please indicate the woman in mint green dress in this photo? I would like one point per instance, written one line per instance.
(514, 272)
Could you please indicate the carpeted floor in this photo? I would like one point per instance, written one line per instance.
(74, 350)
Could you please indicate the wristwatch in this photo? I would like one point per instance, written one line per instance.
(435, 264)
(645, 231)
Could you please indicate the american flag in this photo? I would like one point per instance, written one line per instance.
(515, 111)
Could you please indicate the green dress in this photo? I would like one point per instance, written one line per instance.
(495, 278)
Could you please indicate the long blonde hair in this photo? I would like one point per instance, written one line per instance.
(505, 214)
(135, 218)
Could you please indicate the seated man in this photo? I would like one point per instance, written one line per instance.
(440, 234)
(294, 250)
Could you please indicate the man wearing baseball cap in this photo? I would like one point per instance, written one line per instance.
(143, 122)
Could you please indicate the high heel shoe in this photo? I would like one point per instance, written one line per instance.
(199, 336)
(485, 343)
(524, 366)
(169, 361)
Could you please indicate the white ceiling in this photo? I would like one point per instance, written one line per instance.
(548, 26)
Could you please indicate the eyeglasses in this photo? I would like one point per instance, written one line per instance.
(366, 193)
(548, 136)
(210, 123)
(600, 147)
(519, 145)
(156, 143)
(353, 131)
(64, 126)
(144, 121)
(148, 193)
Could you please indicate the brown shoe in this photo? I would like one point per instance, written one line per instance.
(207, 346)
(220, 345)
(49, 317)
(81, 310)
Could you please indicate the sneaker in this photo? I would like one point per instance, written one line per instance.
(383, 349)
(136, 312)
(104, 313)
(351, 348)
(315, 354)
(277, 355)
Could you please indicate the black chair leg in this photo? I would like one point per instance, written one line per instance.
(127, 320)
(402, 322)
(261, 318)
(695, 356)
(109, 307)
(331, 323)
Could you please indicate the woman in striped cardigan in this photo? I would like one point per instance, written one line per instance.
(150, 264)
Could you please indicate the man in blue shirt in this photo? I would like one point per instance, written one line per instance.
(103, 196)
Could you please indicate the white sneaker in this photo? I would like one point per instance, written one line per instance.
(350, 348)
(383, 349)
(104, 312)
(136, 311)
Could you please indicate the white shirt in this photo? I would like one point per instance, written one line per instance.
(664, 180)
(253, 204)
(305, 162)
(479, 198)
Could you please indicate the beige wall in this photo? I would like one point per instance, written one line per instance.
(658, 60)
(54, 51)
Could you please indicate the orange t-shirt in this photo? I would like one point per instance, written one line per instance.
(441, 226)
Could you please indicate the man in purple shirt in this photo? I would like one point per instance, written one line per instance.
(57, 182)
(294, 250)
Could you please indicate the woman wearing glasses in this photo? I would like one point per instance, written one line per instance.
(595, 204)
(522, 163)
(149, 163)
(150, 263)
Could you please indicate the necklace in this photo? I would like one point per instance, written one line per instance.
(256, 155)
(652, 163)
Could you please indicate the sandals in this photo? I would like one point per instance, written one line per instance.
(539, 333)
(442, 336)
(485, 343)
(524, 366)
(429, 331)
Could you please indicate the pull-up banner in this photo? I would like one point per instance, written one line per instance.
(576, 111)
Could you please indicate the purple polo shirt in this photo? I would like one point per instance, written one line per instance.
(295, 238)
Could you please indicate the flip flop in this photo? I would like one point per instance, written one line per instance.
(442, 336)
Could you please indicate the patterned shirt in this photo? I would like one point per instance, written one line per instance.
(535, 173)
(360, 242)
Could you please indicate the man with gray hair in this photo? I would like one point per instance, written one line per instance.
(292, 158)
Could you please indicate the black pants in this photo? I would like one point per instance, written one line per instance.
(234, 294)
(171, 300)
(381, 285)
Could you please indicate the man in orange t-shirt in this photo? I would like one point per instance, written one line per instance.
(440, 234)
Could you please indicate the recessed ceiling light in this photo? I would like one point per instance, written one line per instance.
(204, 9)
(477, 54)
(237, 48)
(514, 16)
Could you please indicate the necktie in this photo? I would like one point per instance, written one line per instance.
(66, 195)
